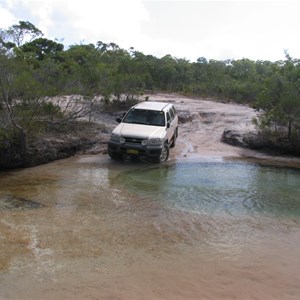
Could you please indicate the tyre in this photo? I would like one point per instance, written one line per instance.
(173, 143)
(164, 154)
(114, 156)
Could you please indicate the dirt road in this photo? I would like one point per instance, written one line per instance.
(203, 124)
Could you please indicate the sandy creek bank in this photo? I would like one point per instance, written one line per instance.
(95, 238)
(204, 122)
(202, 127)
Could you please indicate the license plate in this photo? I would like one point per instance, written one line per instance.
(132, 151)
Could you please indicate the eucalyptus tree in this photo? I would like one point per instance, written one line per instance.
(280, 97)
(17, 87)
(41, 48)
(20, 33)
(245, 83)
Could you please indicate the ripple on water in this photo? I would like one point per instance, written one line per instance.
(218, 188)
(222, 207)
(217, 204)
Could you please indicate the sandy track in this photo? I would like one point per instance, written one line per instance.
(205, 121)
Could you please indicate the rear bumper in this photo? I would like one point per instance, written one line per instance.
(134, 149)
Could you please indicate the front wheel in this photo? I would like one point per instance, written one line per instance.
(164, 154)
(114, 156)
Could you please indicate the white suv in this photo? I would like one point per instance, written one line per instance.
(147, 130)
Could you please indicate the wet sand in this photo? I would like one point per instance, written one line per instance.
(202, 136)
(178, 277)
(148, 254)
(124, 247)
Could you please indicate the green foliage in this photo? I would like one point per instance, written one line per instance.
(33, 68)
(19, 33)
(280, 96)
(49, 109)
(7, 137)
(41, 48)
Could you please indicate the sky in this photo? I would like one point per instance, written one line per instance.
(257, 30)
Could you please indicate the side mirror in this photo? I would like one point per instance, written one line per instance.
(168, 125)
(119, 120)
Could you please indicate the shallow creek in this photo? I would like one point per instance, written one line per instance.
(189, 229)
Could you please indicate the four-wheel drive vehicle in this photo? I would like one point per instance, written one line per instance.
(147, 130)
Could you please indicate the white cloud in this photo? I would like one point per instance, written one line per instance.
(229, 29)
(113, 21)
(6, 17)
(88, 21)
(190, 29)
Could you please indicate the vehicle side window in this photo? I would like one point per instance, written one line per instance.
(174, 110)
(172, 114)
(168, 117)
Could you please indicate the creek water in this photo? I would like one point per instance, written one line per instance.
(189, 229)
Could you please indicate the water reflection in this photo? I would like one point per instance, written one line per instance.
(234, 188)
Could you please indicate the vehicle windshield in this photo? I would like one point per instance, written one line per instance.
(145, 117)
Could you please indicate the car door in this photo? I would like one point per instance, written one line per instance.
(172, 127)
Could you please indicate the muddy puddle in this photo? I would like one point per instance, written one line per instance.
(190, 229)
